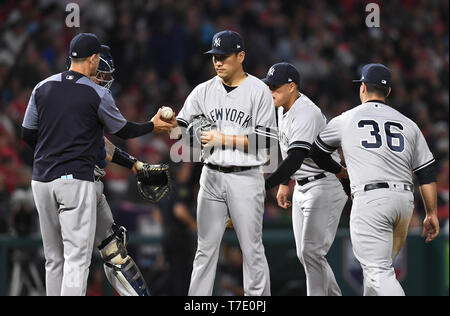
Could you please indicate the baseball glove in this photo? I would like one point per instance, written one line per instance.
(153, 181)
(200, 124)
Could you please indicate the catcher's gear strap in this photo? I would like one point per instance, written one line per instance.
(99, 173)
(110, 250)
(129, 276)
(123, 158)
(120, 265)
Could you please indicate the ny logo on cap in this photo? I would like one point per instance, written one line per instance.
(217, 42)
(271, 71)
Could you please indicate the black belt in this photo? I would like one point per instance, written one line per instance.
(385, 185)
(227, 169)
(310, 179)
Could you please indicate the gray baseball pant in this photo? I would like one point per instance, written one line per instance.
(67, 217)
(379, 224)
(239, 196)
(316, 209)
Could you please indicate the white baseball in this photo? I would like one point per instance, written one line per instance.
(139, 165)
(166, 113)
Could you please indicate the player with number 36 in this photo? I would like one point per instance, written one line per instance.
(382, 149)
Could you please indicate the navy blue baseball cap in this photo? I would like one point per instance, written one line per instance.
(282, 73)
(84, 45)
(226, 43)
(376, 74)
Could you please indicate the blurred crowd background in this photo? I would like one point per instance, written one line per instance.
(158, 46)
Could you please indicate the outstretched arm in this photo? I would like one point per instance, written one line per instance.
(326, 162)
(287, 167)
(120, 157)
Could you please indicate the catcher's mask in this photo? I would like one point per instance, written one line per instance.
(105, 68)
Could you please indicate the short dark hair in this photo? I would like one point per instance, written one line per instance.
(377, 89)
(78, 60)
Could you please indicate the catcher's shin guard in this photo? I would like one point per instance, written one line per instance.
(120, 269)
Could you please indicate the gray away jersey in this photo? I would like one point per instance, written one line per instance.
(379, 144)
(298, 128)
(246, 109)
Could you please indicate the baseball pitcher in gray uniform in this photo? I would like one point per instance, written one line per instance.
(232, 182)
(318, 197)
(382, 149)
(64, 124)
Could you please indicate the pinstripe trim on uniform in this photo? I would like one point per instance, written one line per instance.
(424, 165)
(300, 144)
(326, 148)
(183, 122)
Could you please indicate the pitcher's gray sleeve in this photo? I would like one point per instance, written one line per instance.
(110, 115)
(330, 138)
(304, 130)
(30, 120)
(422, 156)
(191, 108)
(265, 120)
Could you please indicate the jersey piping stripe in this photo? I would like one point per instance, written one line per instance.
(323, 146)
(300, 143)
(424, 165)
(262, 133)
(264, 130)
(308, 148)
(183, 122)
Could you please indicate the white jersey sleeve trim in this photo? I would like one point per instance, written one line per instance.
(183, 121)
(265, 132)
(424, 165)
(259, 132)
(324, 147)
(300, 144)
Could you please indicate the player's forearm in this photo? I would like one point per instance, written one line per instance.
(132, 130)
(119, 156)
(287, 168)
(324, 160)
(429, 197)
(30, 137)
(109, 148)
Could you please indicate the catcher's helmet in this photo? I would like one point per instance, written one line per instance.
(105, 68)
